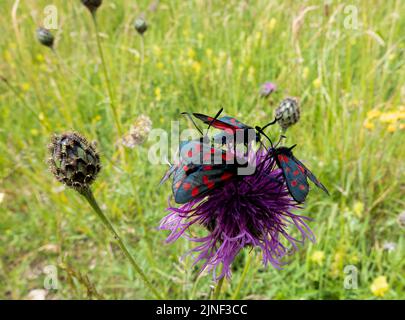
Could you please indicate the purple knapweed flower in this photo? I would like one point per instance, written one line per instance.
(252, 211)
(267, 89)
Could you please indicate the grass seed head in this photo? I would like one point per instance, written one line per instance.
(73, 160)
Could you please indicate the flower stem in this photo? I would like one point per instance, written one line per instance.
(140, 72)
(107, 79)
(242, 278)
(88, 194)
(218, 288)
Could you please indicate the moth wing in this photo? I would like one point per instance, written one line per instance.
(199, 180)
(311, 176)
(296, 180)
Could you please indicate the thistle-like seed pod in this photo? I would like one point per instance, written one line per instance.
(288, 113)
(140, 26)
(45, 37)
(73, 160)
(92, 5)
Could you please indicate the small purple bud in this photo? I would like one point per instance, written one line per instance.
(267, 89)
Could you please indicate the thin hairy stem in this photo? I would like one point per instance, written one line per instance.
(107, 79)
(88, 194)
(218, 288)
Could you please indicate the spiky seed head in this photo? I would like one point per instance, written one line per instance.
(73, 160)
(140, 25)
(92, 5)
(45, 37)
(288, 112)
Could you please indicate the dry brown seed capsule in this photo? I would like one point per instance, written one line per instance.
(73, 160)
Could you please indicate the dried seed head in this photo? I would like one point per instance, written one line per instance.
(73, 160)
(92, 5)
(140, 26)
(288, 112)
(138, 133)
(45, 37)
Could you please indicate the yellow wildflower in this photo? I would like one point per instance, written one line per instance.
(25, 86)
(305, 73)
(379, 287)
(40, 58)
(158, 94)
(157, 51)
(196, 66)
(368, 125)
(271, 25)
(160, 65)
(392, 128)
(358, 209)
(190, 53)
(373, 114)
(318, 257)
(317, 83)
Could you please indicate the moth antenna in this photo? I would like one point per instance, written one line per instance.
(188, 115)
(290, 148)
(215, 118)
(260, 130)
(271, 123)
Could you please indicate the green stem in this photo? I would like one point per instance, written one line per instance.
(107, 79)
(24, 102)
(140, 72)
(243, 277)
(218, 289)
(88, 194)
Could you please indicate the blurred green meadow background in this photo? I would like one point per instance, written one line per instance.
(344, 60)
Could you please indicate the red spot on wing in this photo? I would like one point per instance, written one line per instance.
(226, 176)
(177, 185)
(207, 168)
(195, 192)
(294, 183)
(296, 173)
(185, 168)
(282, 158)
(302, 187)
(205, 179)
(301, 168)
(190, 153)
(186, 186)
(287, 169)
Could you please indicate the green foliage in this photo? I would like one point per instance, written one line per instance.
(198, 56)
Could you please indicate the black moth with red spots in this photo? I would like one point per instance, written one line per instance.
(295, 173)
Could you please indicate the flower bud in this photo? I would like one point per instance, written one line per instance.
(92, 5)
(45, 37)
(73, 160)
(288, 112)
(267, 89)
(140, 26)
